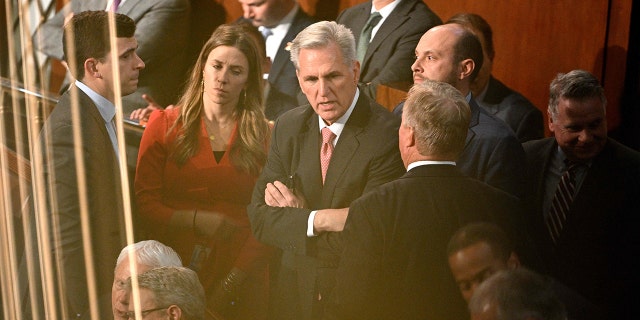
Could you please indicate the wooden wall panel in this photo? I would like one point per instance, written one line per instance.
(534, 39)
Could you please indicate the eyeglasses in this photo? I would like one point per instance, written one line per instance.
(143, 313)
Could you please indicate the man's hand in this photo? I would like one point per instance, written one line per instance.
(330, 220)
(143, 114)
(277, 194)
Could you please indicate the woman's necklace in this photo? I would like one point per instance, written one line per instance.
(212, 136)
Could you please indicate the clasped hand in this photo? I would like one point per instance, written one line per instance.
(277, 194)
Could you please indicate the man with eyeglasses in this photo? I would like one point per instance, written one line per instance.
(168, 292)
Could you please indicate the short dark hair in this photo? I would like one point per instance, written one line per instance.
(477, 24)
(478, 232)
(468, 46)
(90, 33)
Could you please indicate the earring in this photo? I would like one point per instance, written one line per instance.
(202, 84)
(245, 96)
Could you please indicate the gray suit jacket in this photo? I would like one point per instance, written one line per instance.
(365, 156)
(161, 29)
(104, 197)
(392, 50)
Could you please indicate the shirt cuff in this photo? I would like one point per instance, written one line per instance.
(312, 216)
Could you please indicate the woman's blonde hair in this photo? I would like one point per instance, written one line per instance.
(248, 151)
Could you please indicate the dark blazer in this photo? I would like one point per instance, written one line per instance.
(394, 264)
(283, 74)
(593, 253)
(392, 50)
(366, 155)
(161, 29)
(514, 109)
(104, 197)
(491, 152)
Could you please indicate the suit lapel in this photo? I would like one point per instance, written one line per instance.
(397, 17)
(360, 19)
(282, 57)
(475, 119)
(91, 110)
(308, 161)
(345, 149)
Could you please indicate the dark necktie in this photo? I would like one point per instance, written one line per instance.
(326, 150)
(559, 211)
(365, 36)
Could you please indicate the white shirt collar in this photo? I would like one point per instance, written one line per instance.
(428, 162)
(278, 32)
(384, 12)
(337, 126)
(105, 107)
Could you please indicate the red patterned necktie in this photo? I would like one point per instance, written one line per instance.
(326, 150)
(559, 211)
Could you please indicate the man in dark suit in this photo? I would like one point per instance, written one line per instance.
(82, 176)
(279, 21)
(300, 202)
(452, 54)
(390, 53)
(588, 239)
(394, 263)
(492, 95)
(156, 22)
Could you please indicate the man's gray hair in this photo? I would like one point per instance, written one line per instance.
(575, 85)
(175, 286)
(151, 253)
(439, 115)
(322, 34)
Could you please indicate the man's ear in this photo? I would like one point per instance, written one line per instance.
(356, 70)
(466, 68)
(175, 312)
(300, 81)
(91, 68)
(550, 122)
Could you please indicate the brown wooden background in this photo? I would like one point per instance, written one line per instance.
(534, 39)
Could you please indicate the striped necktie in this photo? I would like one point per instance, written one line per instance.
(561, 204)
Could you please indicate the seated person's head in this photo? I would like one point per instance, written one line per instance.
(168, 292)
(477, 251)
(517, 294)
(148, 254)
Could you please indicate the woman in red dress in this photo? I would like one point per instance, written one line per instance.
(197, 166)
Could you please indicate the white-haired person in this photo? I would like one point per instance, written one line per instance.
(148, 254)
(168, 292)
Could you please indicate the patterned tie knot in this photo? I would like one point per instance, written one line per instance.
(327, 135)
(374, 18)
